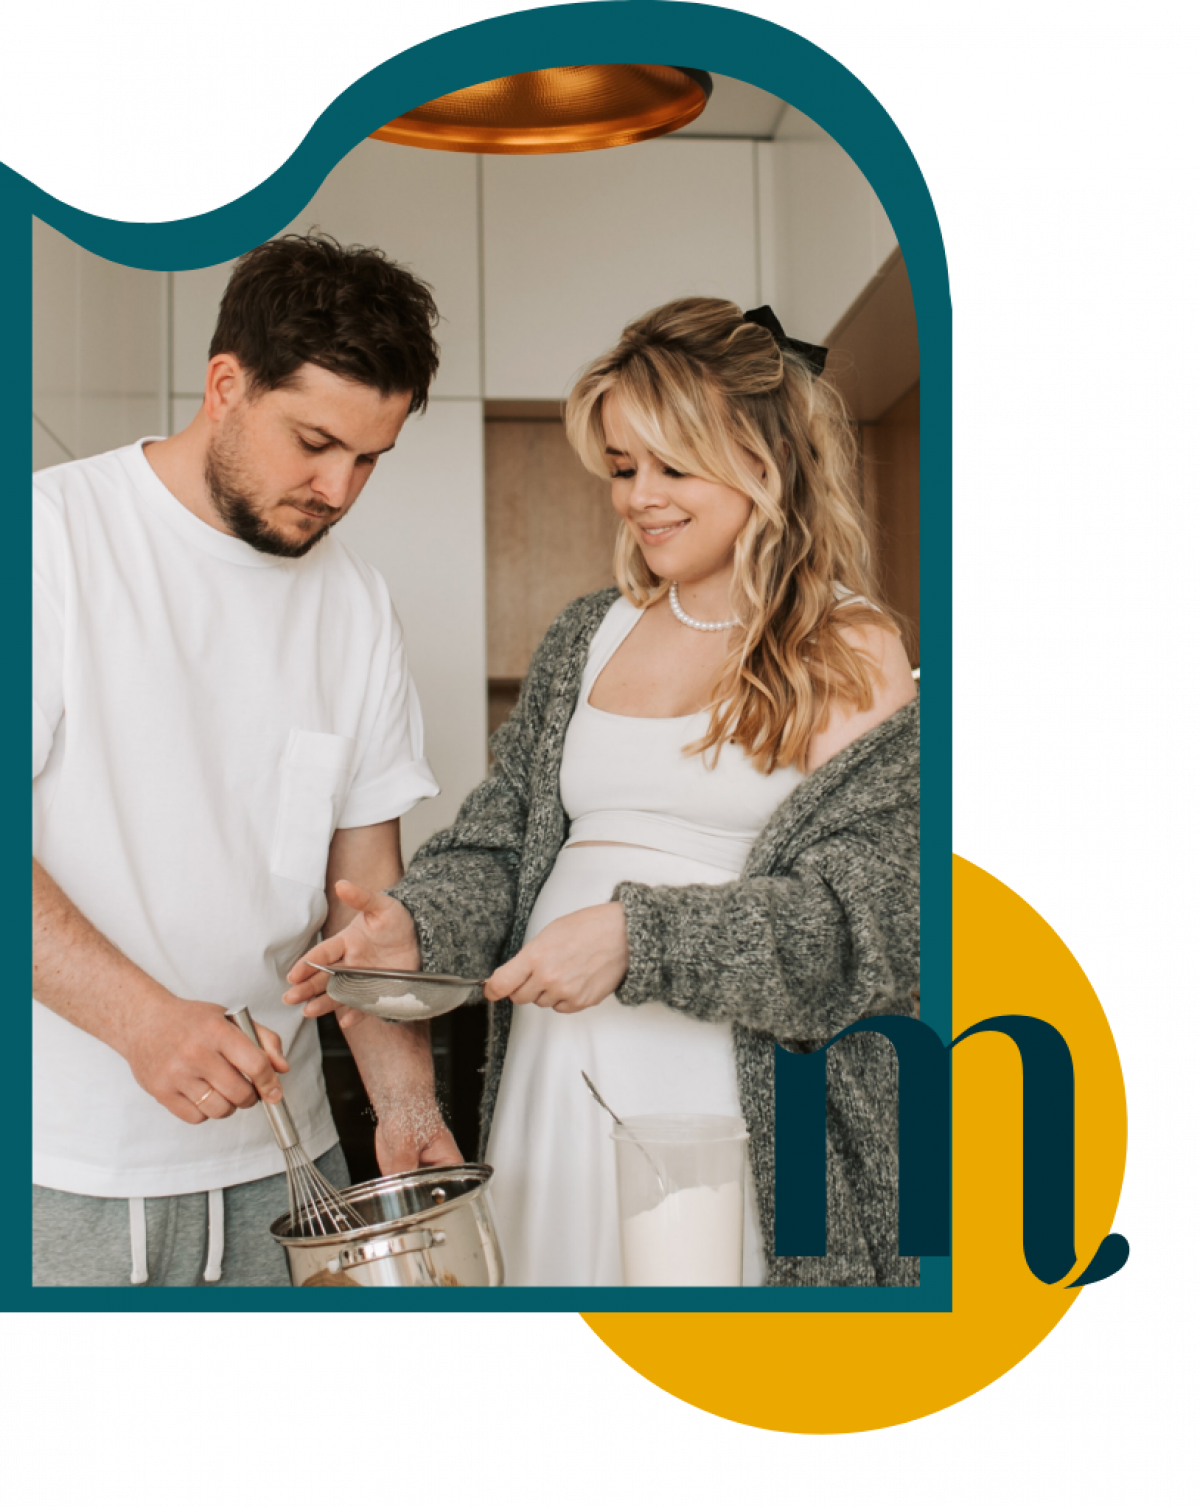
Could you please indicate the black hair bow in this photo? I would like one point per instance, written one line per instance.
(813, 356)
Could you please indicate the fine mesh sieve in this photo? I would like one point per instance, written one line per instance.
(393, 994)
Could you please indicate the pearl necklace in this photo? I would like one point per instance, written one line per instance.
(694, 622)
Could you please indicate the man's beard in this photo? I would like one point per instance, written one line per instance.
(233, 505)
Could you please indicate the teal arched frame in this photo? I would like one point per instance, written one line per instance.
(607, 31)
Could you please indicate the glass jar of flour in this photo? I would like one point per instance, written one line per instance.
(680, 1197)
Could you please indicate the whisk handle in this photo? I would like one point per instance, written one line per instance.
(283, 1127)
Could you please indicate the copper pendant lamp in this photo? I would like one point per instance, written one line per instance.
(556, 110)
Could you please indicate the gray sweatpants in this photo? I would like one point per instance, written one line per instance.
(86, 1242)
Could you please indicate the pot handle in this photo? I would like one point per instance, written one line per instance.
(410, 1243)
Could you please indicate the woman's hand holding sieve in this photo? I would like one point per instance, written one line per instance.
(570, 965)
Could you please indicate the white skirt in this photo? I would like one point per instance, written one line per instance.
(554, 1190)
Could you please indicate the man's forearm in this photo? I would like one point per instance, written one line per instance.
(184, 1053)
(77, 971)
(394, 1060)
(396, 1065)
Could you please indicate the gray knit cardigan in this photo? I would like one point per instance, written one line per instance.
(820, 929)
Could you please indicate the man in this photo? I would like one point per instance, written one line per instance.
(223, 728)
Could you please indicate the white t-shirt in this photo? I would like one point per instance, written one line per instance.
(204, 718)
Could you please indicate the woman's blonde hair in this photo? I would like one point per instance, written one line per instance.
(714, 396)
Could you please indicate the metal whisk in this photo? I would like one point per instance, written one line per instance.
(315, 1205)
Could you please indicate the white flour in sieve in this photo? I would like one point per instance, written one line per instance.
(404, 1006)
(693, 1238)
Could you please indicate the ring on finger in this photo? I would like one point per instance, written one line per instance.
(204, 1096)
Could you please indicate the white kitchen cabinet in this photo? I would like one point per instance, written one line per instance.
(825, 233)
(420, 522)
(420, 207)
(99, 350)
(575, 246)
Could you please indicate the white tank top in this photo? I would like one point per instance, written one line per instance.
(627, 779)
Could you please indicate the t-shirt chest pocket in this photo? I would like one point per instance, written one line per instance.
(314, 776)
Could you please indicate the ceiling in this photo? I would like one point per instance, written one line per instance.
(741, 109)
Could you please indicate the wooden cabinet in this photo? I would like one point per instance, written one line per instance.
(550, 535)
(891, 448)
(875, 362)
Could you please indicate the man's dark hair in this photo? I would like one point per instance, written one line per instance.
(348, 309)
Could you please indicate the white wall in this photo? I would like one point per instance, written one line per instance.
(99, 351)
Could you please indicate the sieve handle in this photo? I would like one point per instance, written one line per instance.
(283, 1127)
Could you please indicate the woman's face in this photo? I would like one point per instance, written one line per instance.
(685, 526)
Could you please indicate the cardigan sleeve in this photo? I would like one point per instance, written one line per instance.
(797, 955)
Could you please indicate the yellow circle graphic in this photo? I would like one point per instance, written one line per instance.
(833, 1373)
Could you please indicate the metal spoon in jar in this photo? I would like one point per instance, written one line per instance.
(617, 1120)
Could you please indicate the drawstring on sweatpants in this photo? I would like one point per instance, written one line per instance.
(216, 1235)
(140, 1273)
(140, 1270)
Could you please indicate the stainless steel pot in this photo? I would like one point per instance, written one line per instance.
(431, 1228)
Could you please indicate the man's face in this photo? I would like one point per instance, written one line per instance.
(284, 466)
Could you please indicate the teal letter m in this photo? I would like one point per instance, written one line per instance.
(924, 1145)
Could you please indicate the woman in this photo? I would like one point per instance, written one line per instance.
(704, 806)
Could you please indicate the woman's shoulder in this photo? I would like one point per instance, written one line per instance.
(876, 777)
(893, 689)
